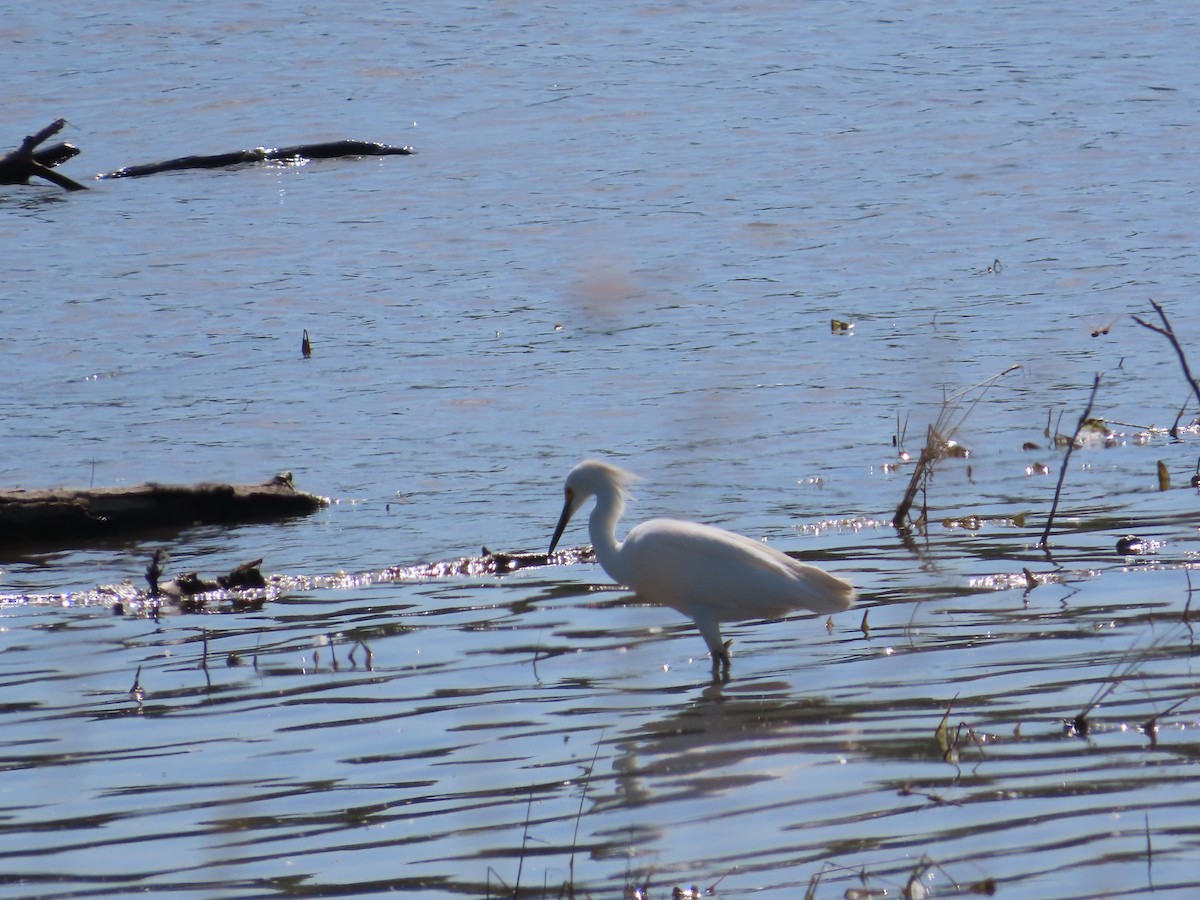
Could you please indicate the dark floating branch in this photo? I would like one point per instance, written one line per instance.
(58, 517)
(329, 150)
(28, 162)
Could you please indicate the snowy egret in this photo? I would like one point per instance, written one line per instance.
(706, 573)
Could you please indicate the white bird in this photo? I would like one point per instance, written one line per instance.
(706, 573)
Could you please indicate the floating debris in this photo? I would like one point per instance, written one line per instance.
(1132, 545)
(1012, 580)
(136, 693)
(245, 588)
(954, 450)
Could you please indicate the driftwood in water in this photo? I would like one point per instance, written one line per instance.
(28, 162)
(55, 517)
(329, 150)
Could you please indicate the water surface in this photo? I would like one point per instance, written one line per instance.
(625, 233)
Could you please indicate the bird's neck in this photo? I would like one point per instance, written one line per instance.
(602, 527)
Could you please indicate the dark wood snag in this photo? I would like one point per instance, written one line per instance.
(327, 150)
(59, 517)
(28, 162)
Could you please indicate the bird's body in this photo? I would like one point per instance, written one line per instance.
(704, 572)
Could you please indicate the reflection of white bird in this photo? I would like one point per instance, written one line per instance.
(707, 573)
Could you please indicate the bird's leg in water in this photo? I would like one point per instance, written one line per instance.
(718, 648)
(721, 662)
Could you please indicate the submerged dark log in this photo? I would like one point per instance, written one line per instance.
(59, 517)
(27, 162)
(329, 150)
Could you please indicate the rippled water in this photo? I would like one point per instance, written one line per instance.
(625, 233)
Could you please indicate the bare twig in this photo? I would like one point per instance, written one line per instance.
(579, 815)
(1187, 607)
(1169, 333)
(524, 841)
(1149, 855)
(1043, 542)
(929, 453)
(1121, 671)
(938, 440)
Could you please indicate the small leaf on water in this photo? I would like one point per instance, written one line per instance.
(838, 326)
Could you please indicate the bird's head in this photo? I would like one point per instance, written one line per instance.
(592, 478)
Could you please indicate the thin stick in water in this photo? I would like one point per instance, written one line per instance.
(1044, 541)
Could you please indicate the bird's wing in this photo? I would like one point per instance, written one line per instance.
(685, 564)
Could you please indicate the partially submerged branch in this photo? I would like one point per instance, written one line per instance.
(58, 517)
(327, 150)
(1043, 541)
(920, 475)
(939, 442)
(28, 162)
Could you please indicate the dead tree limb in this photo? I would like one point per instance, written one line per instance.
(1044, 540)
(27, 162)
(1169, 333)
(67, 516)
(929, 455)
(939, 442)
(328, 150)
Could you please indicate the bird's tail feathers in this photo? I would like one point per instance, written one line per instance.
(827, 593)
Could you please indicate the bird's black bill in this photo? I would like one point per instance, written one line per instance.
(562, 524)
